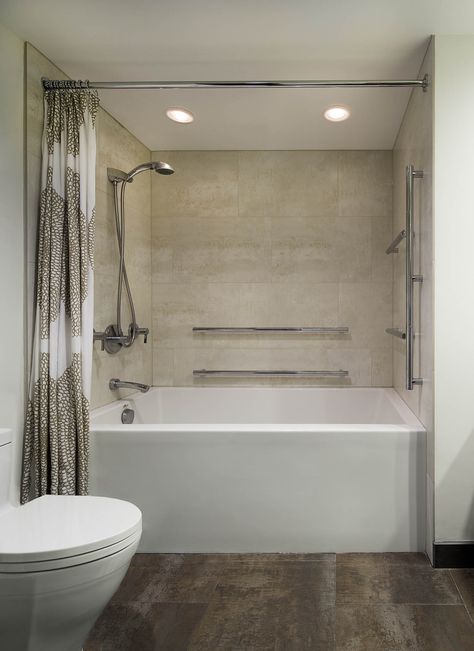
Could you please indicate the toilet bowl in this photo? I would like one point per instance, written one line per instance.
(61, 560)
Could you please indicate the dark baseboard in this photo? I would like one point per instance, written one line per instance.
(453, 554)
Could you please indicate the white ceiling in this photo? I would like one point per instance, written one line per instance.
(244, 39)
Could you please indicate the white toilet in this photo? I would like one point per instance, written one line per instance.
(61, 560)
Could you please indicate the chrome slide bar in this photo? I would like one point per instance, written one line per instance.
(411, 175)
(272, 330)
(232, 373)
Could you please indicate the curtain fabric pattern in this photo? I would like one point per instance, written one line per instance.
(56, 440)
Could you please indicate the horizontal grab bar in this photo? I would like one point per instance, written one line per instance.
(396, 332)
(204, 372)
(244, 330)
(393, 246)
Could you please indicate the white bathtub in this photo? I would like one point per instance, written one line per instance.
(265, 469)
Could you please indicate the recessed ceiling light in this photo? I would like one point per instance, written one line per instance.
(178, 114)
(337, 113)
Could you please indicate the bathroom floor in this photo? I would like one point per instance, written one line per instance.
(281, 602)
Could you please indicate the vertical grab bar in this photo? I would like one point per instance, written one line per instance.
(411, 175)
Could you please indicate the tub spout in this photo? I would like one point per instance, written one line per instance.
(115, 383)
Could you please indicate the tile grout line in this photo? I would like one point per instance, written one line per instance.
(471, 619)
(386, 604)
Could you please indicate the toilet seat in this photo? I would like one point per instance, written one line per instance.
(56, 532)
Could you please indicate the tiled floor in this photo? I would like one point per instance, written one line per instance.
(286, 602)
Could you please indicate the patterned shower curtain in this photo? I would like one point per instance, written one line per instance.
(56, 441)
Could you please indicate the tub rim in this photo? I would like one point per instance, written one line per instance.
(411, 422)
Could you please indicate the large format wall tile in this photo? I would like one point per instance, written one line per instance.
(117, 148)
(365, 184)
(272, 238)
(212, 249)
(414, 145)
(287, 183)
(205, 184)
(315, 249)
(244, 238)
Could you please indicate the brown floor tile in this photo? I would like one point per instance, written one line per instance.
(304, 580)
(403, 627)
(159, 559)
(464, 580)
(286, 602)
(411, 559)
(392, 578)
(145, 627)
(193, 578)
(170, 580)
(256, 623)
(260, 605)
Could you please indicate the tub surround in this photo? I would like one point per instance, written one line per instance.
(272, 238)
(414, 145)
(237, 238)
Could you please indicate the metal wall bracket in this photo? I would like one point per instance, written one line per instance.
(396, 332)
(393, 247)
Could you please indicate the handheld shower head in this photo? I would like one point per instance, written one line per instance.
(158, 166)
(162, 168)
(117, 176)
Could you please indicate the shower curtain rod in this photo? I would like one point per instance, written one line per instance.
(51, 84)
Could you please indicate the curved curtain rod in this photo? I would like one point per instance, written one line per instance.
(68, 84)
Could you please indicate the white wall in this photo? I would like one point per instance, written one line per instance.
(454, 287)
(12, 238)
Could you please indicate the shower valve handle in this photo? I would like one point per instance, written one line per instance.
(108, 339)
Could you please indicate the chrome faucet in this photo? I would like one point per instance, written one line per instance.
(115, 383)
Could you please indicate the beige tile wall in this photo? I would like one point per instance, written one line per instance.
(415, 145)
(238, 238)
(272, 238)
(116, 147)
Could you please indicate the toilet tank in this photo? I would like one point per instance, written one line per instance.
(5, 467)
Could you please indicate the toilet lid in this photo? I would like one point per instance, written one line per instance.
(60, 526)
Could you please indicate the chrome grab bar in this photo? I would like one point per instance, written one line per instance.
(393, 247)
(232, 373)
(411, 175)
(270, 330)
